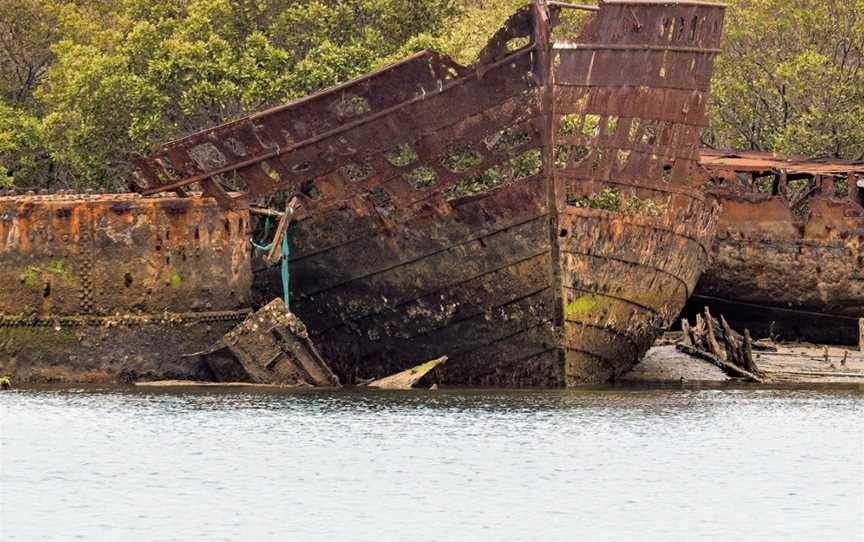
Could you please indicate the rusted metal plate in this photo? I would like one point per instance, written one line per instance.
(630, 96)
(118, 254)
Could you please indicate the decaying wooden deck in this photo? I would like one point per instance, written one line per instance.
(793, 363)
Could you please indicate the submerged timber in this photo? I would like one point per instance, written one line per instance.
(789, 254)
(421, 233)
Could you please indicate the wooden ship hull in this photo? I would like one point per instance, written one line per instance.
(450, 210)
(789, 253)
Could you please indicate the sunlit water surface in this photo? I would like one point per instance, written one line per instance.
(598, 465)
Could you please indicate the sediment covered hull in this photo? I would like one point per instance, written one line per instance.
(443, 205)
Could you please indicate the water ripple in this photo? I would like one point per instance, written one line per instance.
(112, 464)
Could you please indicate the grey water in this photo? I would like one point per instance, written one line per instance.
(669, 464)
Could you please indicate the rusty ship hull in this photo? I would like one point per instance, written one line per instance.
(788, 262)
(101, 288)
(396, 261)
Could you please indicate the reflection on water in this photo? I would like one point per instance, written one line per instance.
(617, 465)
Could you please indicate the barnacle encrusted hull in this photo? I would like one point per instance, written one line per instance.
(448, 209)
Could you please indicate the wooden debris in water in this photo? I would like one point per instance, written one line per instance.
(792, 363)
(803, 363)
(407, 379)
(274, 347)
(715, 341)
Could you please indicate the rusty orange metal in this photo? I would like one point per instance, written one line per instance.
(789, 253)
(107, 288)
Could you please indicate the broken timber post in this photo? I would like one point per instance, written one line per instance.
(730, 368)
(717, 342)
(275, 253)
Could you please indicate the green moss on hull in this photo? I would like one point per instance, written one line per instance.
(582, 306)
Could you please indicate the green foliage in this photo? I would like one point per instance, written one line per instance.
(23, 158)
(422, 177)
(523, 166)
(478, 20)
(401, 156)
(791, 79)
(608, 199)
(644, 207)
(125, 74)
(85, 83)
(27, 29)
(462, 160)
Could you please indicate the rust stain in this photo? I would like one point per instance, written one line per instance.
(96, 261)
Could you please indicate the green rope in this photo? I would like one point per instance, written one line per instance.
(264, 248)
(285, 274)
(286, 282)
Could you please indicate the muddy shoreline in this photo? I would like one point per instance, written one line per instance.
(794, 365)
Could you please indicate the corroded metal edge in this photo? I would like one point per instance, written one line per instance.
(129, 320)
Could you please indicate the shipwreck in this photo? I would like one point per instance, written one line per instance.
(789, 253)
(534, 217)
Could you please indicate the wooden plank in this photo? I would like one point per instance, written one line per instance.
(731, 369)
(406, 379)
(275, 253)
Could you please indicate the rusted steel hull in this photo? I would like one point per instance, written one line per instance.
(408, 248)
(93, 288)
(100, 255)
(630, 122)
(625, 280)
(780, 279)
(794, 275)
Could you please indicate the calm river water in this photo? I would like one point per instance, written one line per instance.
(598, 465)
